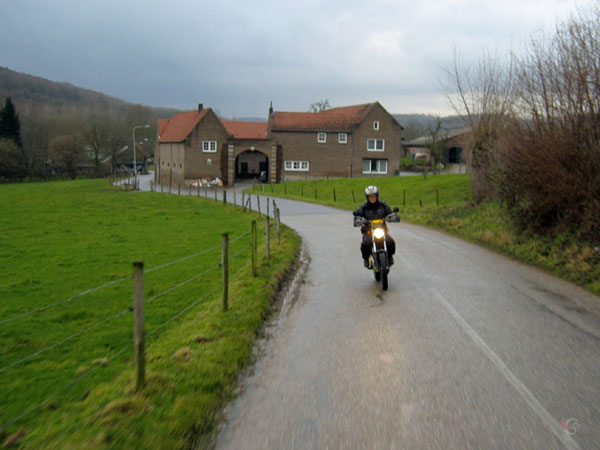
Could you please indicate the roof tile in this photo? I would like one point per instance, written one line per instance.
(246, 130)
(179, 127)
(335, 119)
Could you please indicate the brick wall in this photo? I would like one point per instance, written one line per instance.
(329, 159)
(389, 130)
(196, 160)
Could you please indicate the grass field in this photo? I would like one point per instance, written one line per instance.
(66, 359)
(445, 202)
(406, 192)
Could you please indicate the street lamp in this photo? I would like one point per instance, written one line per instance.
(134, 158)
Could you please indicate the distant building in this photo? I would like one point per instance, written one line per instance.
(452, 151)
(352, 141)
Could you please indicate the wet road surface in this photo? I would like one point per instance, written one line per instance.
(467, 349)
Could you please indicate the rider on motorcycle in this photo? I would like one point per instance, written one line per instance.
(374, 209)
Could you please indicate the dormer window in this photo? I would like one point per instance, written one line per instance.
(322, 138)
(376, 125)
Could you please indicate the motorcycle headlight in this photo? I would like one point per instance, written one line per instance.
(379, 233)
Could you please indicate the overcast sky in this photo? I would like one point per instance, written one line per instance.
(237, 56)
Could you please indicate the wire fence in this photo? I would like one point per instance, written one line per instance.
(244, 252)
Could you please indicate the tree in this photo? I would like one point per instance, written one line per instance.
(97, 135)
(439, 137)
(484, 98)
(66, 153)
(319, 106)
(556, 141)
(10, 126)
(11, 160)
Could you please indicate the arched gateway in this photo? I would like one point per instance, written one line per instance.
(252, 164)
(248, 158)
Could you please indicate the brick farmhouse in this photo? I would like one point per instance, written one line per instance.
(353, 141)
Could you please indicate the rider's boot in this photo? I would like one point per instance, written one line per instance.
(366, 262)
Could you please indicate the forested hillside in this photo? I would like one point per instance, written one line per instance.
(31, 91)
(68, 130)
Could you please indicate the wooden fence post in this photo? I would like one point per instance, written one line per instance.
(138, 331)
(243, 198)
(278, 222)
(267, 206)
(253, 248)
(178, 188)
(315, 193)
(224, 196)
(353, 197)
(268, 239)
(258, 201)
(334, 198)
(234, 199)
(225, 270)
(437, 196)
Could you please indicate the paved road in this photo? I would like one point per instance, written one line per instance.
(467, 349)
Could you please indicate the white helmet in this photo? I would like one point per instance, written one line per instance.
(370, 190)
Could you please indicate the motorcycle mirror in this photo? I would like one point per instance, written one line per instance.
(396, 209)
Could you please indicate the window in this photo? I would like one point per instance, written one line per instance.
(375, 165)
(322, 138)
(342, 138)
(209, 146)
(376, 125)
(298, 166)
(375, 145)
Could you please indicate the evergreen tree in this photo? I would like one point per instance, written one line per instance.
(10, 126)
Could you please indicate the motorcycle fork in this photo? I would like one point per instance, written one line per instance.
(374, 259)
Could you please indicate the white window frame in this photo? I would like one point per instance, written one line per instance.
(378, 170)
(342, 138)
(321, 137)
(209, 146)
(376, 125)
(296, 166)
(375, 141)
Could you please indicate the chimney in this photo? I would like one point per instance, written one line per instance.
(200, 107)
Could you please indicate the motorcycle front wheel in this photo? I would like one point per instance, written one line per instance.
(383, 270)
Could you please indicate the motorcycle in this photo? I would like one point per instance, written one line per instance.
(379, 259)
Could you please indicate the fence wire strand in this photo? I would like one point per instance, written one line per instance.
(187, 308)
(111, 283)
(67, 339)
(63, 389)
(108, 319)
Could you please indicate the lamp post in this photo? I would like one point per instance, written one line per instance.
(134, 158)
